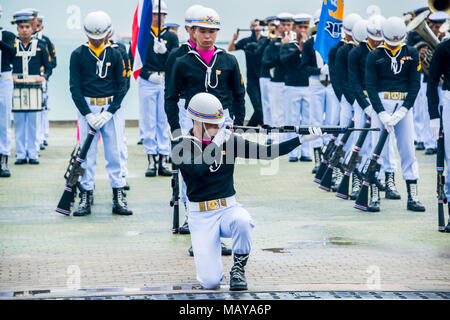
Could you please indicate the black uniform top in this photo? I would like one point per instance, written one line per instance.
(173, 56)
(264, 71)
(35, 63)
(356, 72)
(271, 60)
(50, 47)
(155, 62)
(440, 65)
(381, 76)
(253, 60)
(86, 81)
(331, 66)
(341, 68)
(291, 58)
(123, 52)
(309, 60)
(209, 180)
(413, 39)
(7, 50)
(189, 77)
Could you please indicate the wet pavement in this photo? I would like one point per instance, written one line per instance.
(307, 242)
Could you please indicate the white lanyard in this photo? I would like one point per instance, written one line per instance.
(26, 55)
(208, 70)
(394, 63)
(99, 68)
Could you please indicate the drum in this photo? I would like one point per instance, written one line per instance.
(27, 96)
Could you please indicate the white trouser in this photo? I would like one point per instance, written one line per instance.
(26, 135)
(360, 121)
(277, 101)
(6, 92)
(404, 135)
(422, 118)
(124, 149)
(298, 113)
(345, 118)
(45, 126)
(445, 100)
(112, 143)
(206, 230)
(153, 118)
(332, 107)
(186, 125)
(264, 84)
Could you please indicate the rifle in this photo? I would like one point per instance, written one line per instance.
(174, 201)
(73, 173)
(299, 129)
(441, 179)
(326, 158)
(325, 182)
(355, 159)
(368, 176)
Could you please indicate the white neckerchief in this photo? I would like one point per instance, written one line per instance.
(26, 54)
(395, 66)
(161, 33)
(208, 68)
(99, 68)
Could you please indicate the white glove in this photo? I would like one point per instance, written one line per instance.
(156, 78)
(369, 111)
(103, 118)
(314, 134)
(398, 116)
(325, 70)
(222, 136)
(92, 120)
(435, 126)
(385, 118)
(159, 46)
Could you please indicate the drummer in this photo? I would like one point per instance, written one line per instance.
(31, 55)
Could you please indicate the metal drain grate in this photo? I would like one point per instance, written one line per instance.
(293, 295)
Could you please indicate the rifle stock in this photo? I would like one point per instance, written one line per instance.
(442, 199)
(326, 158)
(73, 173)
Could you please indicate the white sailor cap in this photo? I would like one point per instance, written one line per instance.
(33, 11)
(438, 17)
(283, 17)
(40, 17)
(302, 18)
(317, 15)
(22, 16)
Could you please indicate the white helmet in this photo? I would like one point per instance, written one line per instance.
(360, 31)
(97, 25)
(375, 26)
(205, 107)
(394, 31)
(192, 13)
(317, 15)
(163, 7)
(207, 18)
(349, 22)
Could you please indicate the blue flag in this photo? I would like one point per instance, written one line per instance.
(329, 30)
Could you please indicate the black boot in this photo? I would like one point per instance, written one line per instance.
(151, 170)
(119, 203)
(413, 200)
(356, 186)
(237, 273)
(225, 251)
(162, 169)
(91, 197)
(391, 189)
(84, 207)
(127, 186)
(317, 159)
(4, 170)
(374, 204)
(420, 146)
(184, 229)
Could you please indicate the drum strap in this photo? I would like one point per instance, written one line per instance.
(26, 55)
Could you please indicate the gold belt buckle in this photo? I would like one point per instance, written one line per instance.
(395, 95)
(213, 204)
(92, 101)
(101, 101)
(386, 95)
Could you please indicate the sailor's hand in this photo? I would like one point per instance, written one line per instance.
(315, 133)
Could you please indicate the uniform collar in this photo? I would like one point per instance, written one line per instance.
(154, 31)
(392, 52)
(98, 51)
